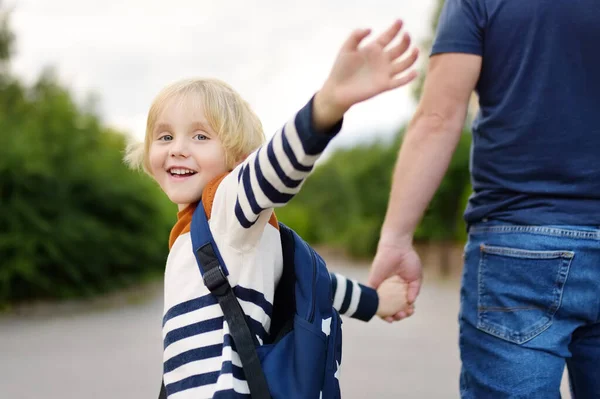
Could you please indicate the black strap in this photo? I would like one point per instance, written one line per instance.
(216, 281)
(163, 391)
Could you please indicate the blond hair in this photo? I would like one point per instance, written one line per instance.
(227, 113)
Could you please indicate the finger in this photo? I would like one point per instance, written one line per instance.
(413, 291)
(401, 66)
(399, 48)
(355, 38)
(386, 37)
(389, 319)
(399, 82)
(375, 278)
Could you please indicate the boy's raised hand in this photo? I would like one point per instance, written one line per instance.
(360, 73)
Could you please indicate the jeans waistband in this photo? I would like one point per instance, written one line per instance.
(583, 232)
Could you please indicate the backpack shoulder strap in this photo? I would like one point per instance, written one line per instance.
(211, 266)
(284, 301)
(163, 391)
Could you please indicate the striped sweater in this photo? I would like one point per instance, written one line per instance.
(199, 361)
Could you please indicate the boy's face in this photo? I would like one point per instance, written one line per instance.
(185, 153)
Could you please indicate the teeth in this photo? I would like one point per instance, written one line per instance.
(177, 171)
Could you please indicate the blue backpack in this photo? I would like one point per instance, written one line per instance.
(303, 357)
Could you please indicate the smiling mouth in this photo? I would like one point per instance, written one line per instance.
(181, 172)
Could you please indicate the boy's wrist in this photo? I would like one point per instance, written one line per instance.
(327, 112)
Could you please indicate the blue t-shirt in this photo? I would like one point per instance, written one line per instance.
(536, 139)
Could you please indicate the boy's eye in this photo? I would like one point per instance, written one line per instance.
(200, 136)
(165, 137)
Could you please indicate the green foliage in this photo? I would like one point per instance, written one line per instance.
(426, 48)
(344, 201)
(6, 38)
(73, 219)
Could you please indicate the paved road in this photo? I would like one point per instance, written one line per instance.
(115, 352)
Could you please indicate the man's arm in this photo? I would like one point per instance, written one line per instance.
(427, 149)
(430, 141)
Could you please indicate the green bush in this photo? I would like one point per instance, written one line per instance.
(74, 220)
(361, 238)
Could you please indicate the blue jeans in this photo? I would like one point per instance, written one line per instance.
(530, 304)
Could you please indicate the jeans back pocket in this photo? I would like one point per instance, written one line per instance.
(519, 290)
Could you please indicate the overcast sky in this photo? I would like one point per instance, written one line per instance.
(276, 53)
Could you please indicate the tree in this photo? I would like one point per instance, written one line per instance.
(73, 219)
(426, 47)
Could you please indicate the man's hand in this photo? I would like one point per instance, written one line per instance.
(395, 258)
(359, 74)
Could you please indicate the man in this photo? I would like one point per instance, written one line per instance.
(530, 296)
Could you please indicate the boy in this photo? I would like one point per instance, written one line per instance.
(203, 141)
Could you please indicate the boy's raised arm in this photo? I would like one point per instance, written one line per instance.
(272, 175)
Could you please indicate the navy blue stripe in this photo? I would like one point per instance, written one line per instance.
(193, 355)
(313, 142)
(368, 304)
(230, 394)
(192, 382)
(211, 325)
(206, 352)
(256, 297)
(287, 148)
(256, 209)
(347, 297)
(228, 341)
(189, 306)
(193, 329)
(230, 368)
(245, 294)
(241, 217)
(285, 179)
(240, 174)
(273, 194)
(333, 284)
(211, 378)
(257, 328)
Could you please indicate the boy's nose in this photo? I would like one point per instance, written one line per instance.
(178, 149)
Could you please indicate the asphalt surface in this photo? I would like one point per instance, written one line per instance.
(114, 350)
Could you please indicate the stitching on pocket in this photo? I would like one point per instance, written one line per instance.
(525, 254)
(544, 322)
(511, 309)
